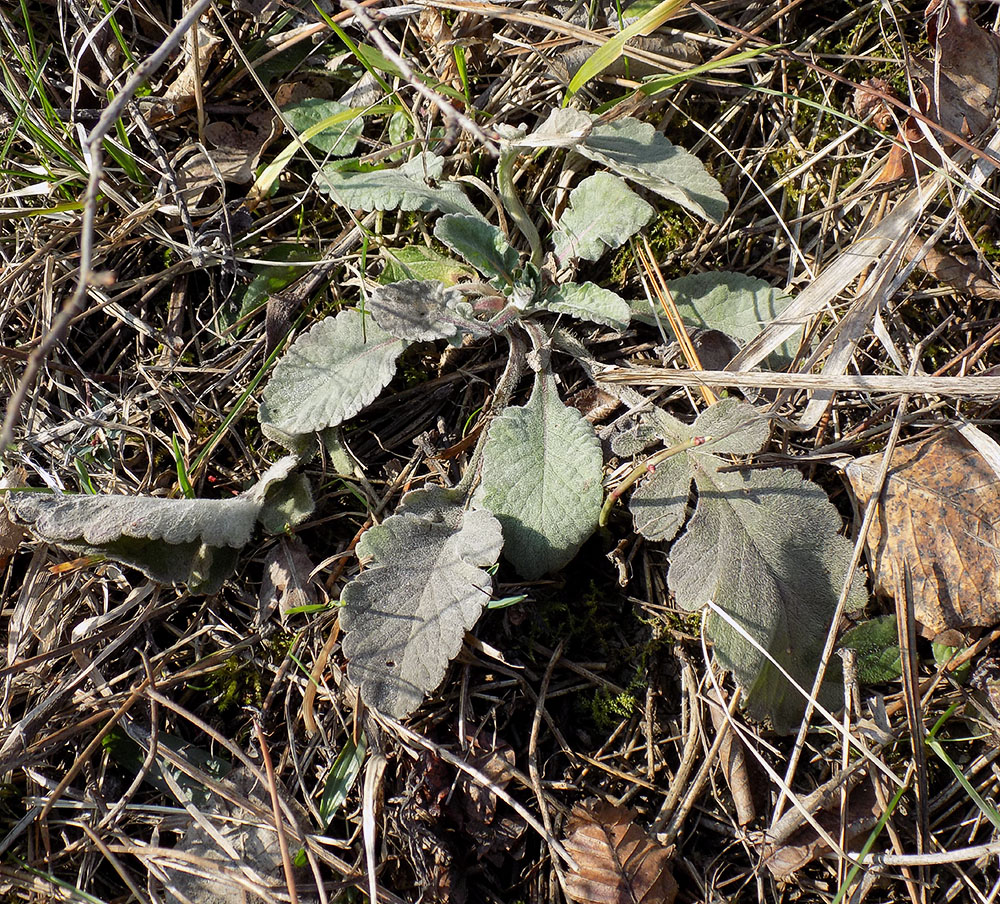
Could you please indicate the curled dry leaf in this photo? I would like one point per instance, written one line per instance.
(959, 87)
(286, 583)
(939, 514)
(616, 860)
(179, 94)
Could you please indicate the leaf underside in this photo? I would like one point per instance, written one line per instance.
(329, 374)
(637, 151)
(196, 541)
(542, 468)
(421, 310)
(405, 616)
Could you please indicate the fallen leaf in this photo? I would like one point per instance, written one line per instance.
(940, 515)
(232, 155)
(286, 583)
(179, 95)
(805, 844)
(744, 776)
(955, 271)
(959, 88)
(616, 860)
(216, 862)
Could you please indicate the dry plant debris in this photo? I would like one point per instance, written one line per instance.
(393, 240)
(938, 515)
(616, 860)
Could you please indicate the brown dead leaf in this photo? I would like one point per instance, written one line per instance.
(743, 775)
(804, 845)
(955, 271)
(594, 403)
(286, 583)
(940, 515)
(959, 88)
(232, 155)
(497, 835)
(11, 533)
(617, 861)
(180, 93)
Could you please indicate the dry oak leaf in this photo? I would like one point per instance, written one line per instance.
(940, 515)
(617, 862)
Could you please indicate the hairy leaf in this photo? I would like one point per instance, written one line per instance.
(339, 137)
(876, 645)
(659, 504)
(737, 305)
(329, 374)
(565, 127)
(603, 213)
(585, 301)
(287, 504)
(479, 243)
(169, 540)
(542, 478)
(405, 617)
(416, 185)
(763, 545)
(418, 310)
(635, 150)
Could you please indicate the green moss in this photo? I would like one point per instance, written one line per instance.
(608, 709)
(235, 684)
(670, 232)
(989, 248)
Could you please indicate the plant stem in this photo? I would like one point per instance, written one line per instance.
(647, 467)
(511, 201)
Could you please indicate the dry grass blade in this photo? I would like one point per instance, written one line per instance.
(655, 277)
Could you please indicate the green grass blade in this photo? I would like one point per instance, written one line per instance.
(606, 55)
(341, 778)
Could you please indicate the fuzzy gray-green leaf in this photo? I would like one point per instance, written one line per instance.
(637, 151)
(419, 310)
(416, 185)
(586, 301)
(603, 214)
(739, 306)
(764, 546)
(659, 503)
(169, 540)
(542, 468)
(480, 244)
(329, 374)
(405, 616)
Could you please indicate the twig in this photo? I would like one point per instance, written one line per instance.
(917, 384)
(365, 21)
(279, 822)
